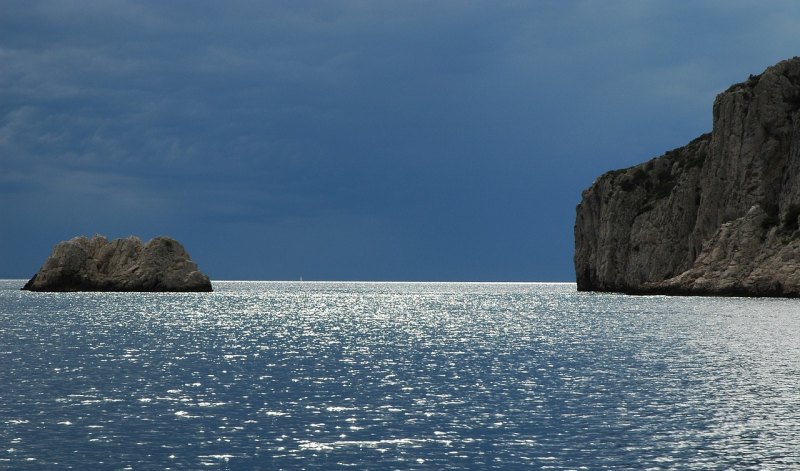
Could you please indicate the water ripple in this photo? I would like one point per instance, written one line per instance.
(392, 375)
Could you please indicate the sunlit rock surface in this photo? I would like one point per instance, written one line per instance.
(83, 264)
(717, 216)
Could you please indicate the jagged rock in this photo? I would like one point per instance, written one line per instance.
(83, 264)
(717, 216)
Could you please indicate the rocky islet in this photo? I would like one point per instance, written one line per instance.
(84, 264)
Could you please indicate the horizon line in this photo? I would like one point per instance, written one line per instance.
(365, 281)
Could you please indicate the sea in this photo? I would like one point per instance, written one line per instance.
(444, 376)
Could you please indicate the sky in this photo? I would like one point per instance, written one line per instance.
(436, 140)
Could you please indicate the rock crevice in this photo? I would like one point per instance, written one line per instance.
(83, 264)
(717, 216)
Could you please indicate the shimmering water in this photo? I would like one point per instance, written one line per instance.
(396, 376)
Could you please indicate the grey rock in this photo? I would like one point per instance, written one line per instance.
(83, 264)
(718, 216)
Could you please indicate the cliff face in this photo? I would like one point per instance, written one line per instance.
(83, 264)
(717, 216)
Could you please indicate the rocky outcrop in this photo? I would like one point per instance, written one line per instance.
(83, 264)
(718, 216)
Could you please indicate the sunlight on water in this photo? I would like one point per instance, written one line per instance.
(403, 375)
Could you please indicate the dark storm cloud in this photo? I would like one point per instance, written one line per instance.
(288, 97)
(362, 139)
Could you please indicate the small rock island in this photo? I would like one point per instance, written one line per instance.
(719, 216)
(83, 264)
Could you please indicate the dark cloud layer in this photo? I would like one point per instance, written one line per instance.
(351, 140)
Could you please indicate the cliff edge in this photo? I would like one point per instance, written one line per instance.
(83, 264)
(718, 216)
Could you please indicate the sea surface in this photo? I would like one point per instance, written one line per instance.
(278, 375)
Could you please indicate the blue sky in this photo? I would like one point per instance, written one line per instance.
(353, 140)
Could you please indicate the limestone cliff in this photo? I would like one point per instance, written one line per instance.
(83, 264)
(717, 216)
